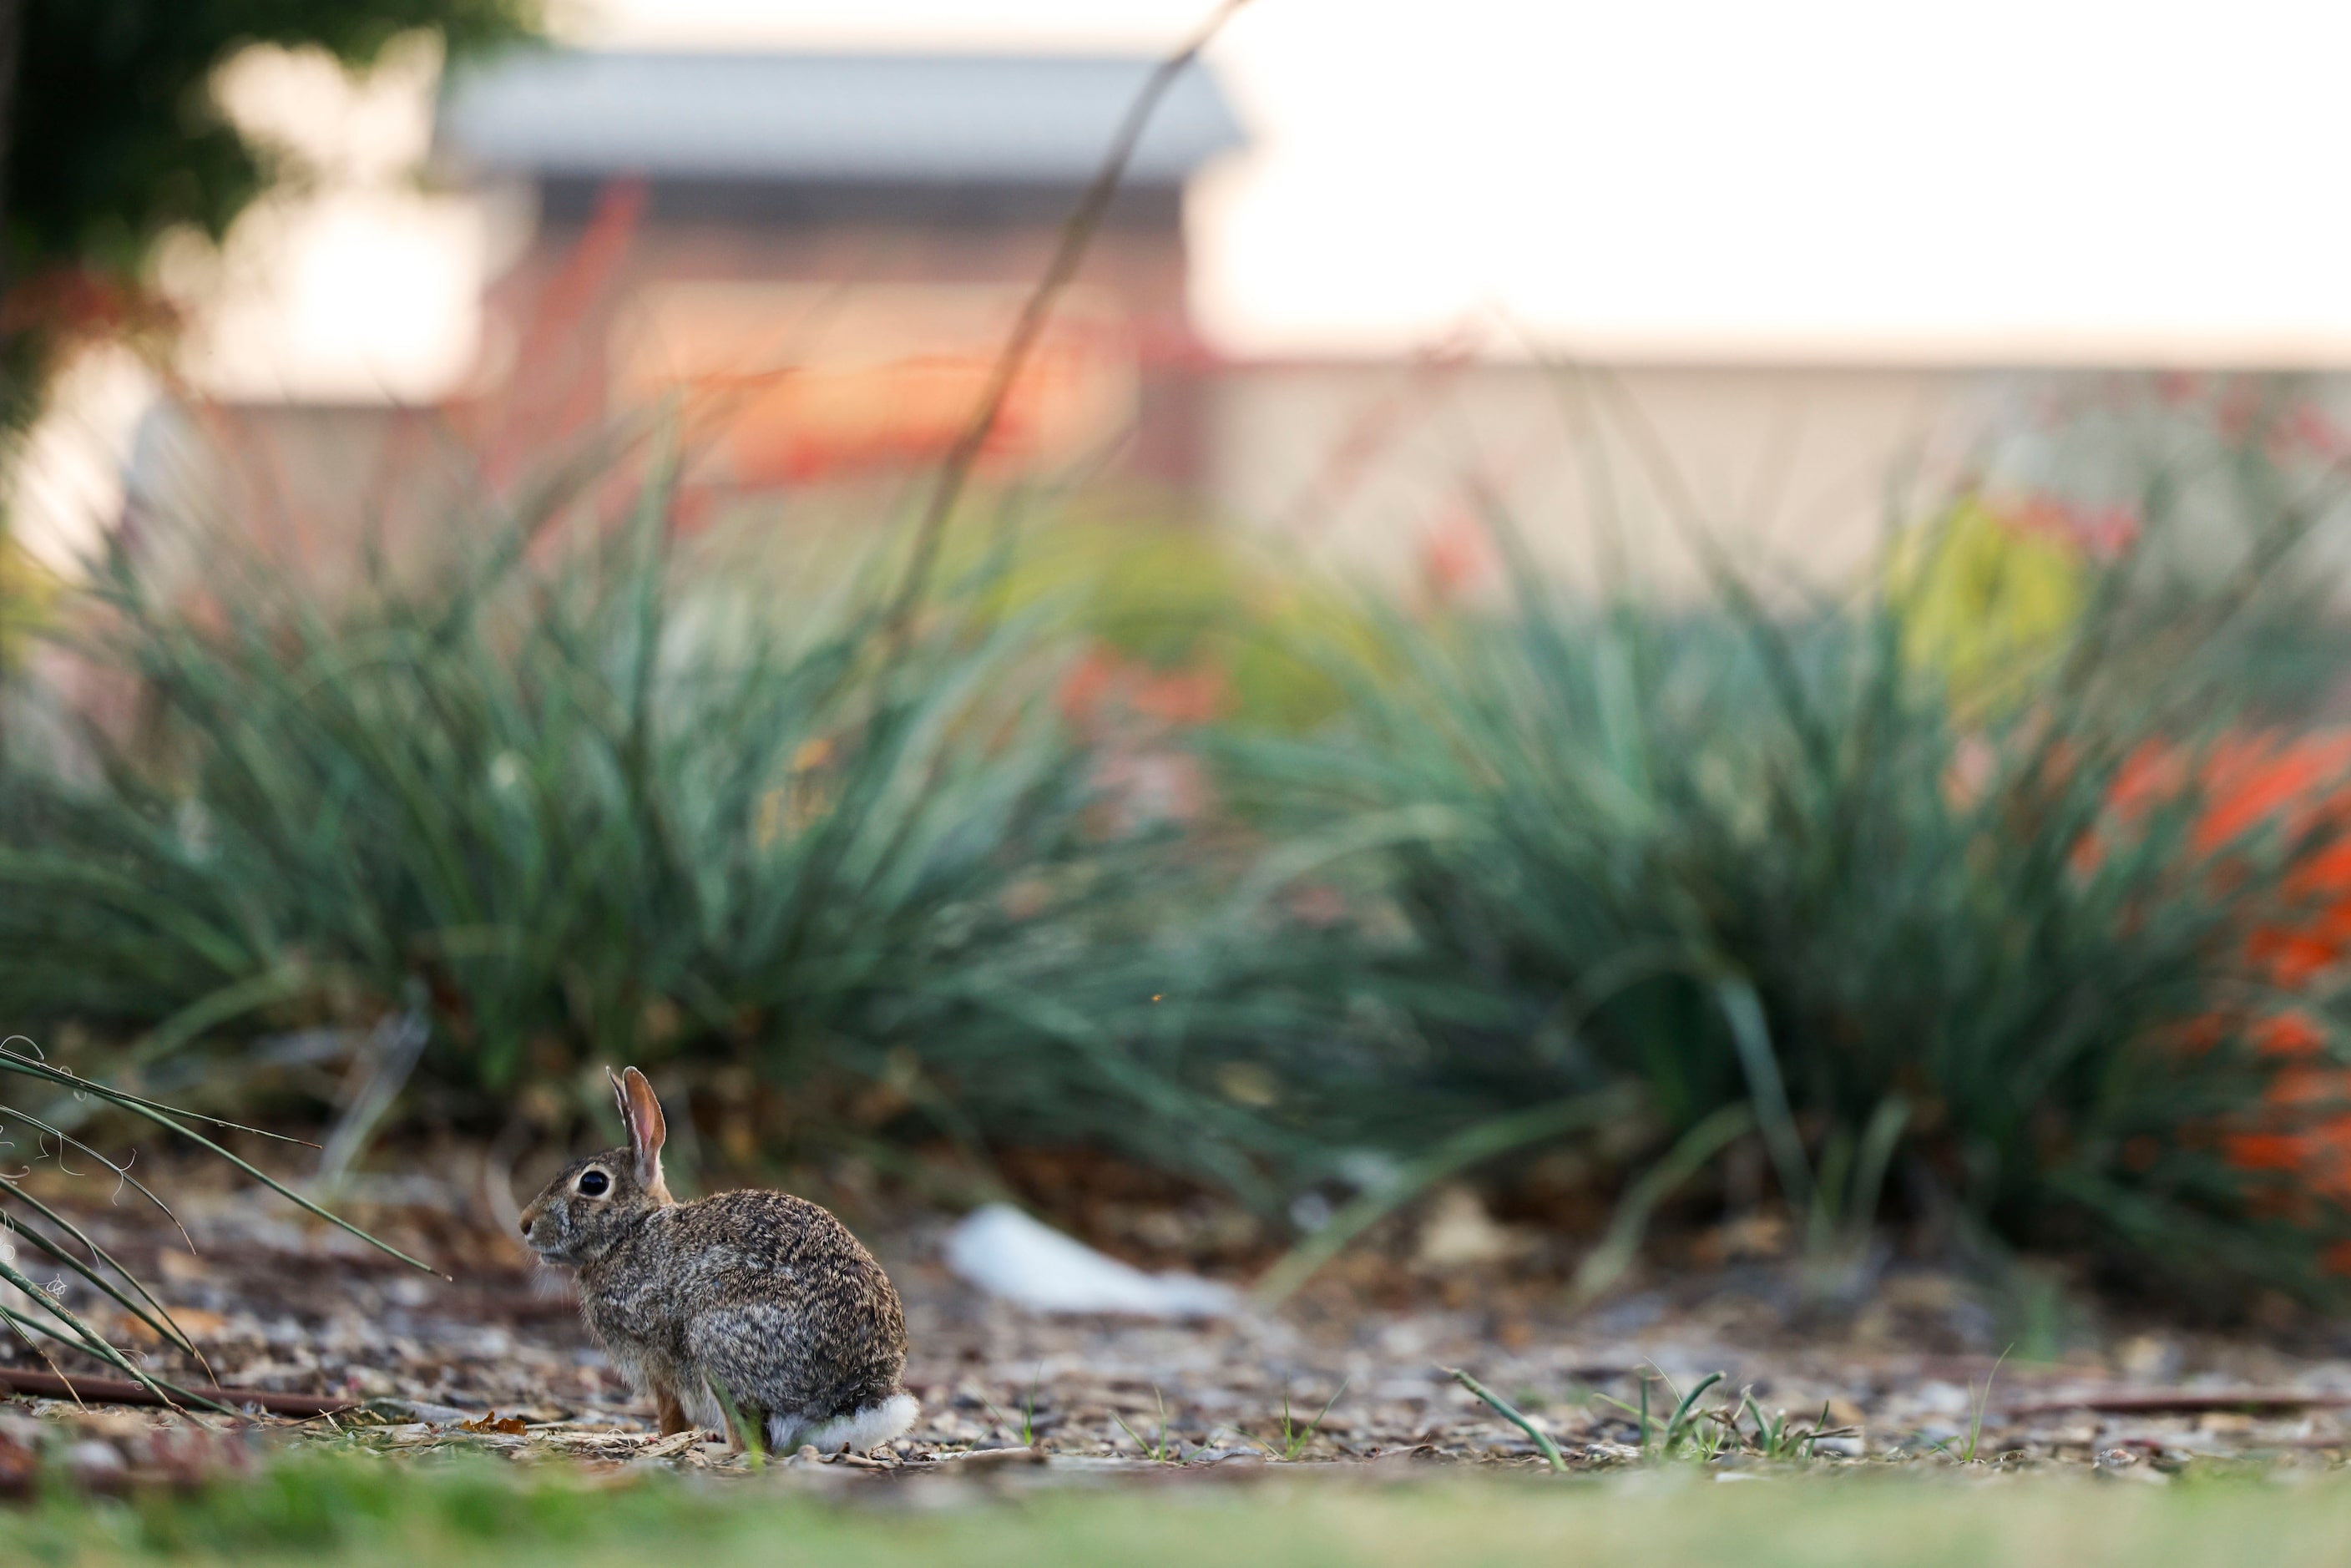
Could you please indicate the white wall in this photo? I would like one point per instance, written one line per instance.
(1792, 470)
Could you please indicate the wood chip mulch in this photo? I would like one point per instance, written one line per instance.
(317, 1338)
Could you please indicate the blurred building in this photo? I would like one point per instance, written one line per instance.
(820, 255)
(823, 254)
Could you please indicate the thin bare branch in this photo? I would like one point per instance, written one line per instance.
(1077, 237)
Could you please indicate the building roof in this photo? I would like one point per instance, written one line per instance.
(793, 118)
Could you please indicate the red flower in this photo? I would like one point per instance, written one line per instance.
(1455, 553)
(2300, 786)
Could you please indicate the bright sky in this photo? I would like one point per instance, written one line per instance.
(2044, 179)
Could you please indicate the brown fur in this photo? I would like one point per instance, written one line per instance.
(755, 1297)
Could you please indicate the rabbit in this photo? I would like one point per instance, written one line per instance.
(754, 1300)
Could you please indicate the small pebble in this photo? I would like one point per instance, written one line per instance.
(93, 1463)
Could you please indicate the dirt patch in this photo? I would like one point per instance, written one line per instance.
(1351, 1373)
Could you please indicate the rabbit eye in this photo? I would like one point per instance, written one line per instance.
(594, 1183)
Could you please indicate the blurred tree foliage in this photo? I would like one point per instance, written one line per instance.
(114, 138)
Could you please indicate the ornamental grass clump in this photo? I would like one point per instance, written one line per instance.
(565, 801)
(1916, 936)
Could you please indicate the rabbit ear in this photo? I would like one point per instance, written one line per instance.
(647, 1129)
(620, 1099)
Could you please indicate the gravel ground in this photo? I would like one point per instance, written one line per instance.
(496, 1360)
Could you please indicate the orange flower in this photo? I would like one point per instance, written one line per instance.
(2301, 786)
(1455, 555)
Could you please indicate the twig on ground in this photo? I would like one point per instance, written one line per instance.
(122, 1391)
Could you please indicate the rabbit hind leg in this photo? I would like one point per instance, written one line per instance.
(672, 1411)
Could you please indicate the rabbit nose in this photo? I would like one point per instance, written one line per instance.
(525, 1229)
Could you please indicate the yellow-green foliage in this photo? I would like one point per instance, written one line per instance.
(1179, 595)
(28, 595)
(1982, 602)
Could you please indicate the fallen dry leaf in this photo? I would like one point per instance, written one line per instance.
(512, 1425)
